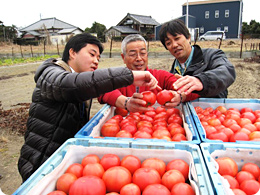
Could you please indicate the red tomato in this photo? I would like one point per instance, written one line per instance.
(57, 192)
(124, 133)
(146, 176)
(116, 177)
(88, 185)
(95, 169)
(126, 121)
(218, 136)
(175, 119)
(164, 97)
(112, 193)
(143, 135)
(222, 109)
(160, 109)
(228, 122)
(109, 160)
(227, 166)
(257, 125)
(161, 116)
(149, 97)
(182, 189)
(121, 111)
(249, 115)
(250, 186)
(64, 182)
(176, 130)
(110, 129)
(155, 189)
(130, 189)
(150, 113)
(209, 130)
(238, 192)
(144, 117)
(179, 137)
(76, 169)
(198, 109)
(254, 135)
(90, 158)
(235, 127)
(146, 129)
(130, 128)
(118, 117)
(232, 181)
(246, 110)
(244, 175)
(156, 164)
(144, 123)
(239, 136)
(160, 133)
(132, 163)
(180, 165)
(243, 121)
(172, 177)
(171, 111)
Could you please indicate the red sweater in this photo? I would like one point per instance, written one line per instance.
(165, 81)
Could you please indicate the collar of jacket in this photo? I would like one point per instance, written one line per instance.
(62, 64)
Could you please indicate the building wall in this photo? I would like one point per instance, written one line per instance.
(232, 23)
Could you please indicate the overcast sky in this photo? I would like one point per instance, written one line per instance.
(83, 13)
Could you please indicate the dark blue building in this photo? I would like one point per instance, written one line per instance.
(221, 15)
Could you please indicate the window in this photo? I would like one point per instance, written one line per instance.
(217, 14)
(226, 13)
(226, 28)
(201, 29)
(206, 14)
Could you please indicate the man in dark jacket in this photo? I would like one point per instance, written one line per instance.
(59, 108)
(206, 72)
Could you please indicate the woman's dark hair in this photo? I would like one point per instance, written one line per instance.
(78, 42)
(173, 27)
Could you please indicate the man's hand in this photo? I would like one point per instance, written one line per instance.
(136, 104)
(145, 78)
(187, 84)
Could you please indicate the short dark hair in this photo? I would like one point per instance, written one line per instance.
(78, 42)
(173, 27)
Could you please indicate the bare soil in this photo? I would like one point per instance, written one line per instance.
(17, 85)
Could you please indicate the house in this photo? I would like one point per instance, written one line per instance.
(220, 15)
(212, 15)
(132, 24)
(53, 29)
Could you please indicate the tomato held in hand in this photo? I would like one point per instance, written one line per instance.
(149, 97)
(164, 97)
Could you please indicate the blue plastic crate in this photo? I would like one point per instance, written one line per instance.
(214, 103)
(93, 127)
(44, 179)
(241, 153)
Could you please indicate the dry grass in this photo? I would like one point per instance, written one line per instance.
(154, 46)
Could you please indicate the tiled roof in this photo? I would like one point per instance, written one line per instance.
(49, 24)
(125, 29)
(144, 19)
(67, 30)
(148, 20)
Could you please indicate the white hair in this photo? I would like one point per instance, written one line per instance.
(129, 39)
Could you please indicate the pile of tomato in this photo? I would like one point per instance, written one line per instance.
(129, 176)
(159, 123)
(242, 182)
(230, 125)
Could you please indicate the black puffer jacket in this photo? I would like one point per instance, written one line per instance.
(57, 112)
(213, 69)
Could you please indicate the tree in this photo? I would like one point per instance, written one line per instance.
(252, 30)
(7, 33)
(99, 29)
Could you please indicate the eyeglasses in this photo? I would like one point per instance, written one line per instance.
(135, 54)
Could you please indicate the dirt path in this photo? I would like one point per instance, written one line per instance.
(17, 85)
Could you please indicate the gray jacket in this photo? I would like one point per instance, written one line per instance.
(57, 111)
(213, 69)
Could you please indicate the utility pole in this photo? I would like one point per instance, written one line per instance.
(187, 14)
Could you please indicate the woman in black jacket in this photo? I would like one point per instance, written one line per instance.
(59, 105)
